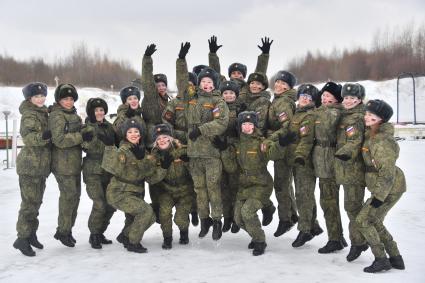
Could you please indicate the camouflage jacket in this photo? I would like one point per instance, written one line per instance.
(66, 138)
(260, 103)
(281, 111)
(380, 152)
(121, 117)
(210, 114)
(327, 120)
(350, 135)
(34, 158)
(94, 149)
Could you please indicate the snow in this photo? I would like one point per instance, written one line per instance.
(205, 260)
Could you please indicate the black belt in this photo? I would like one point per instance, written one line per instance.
(325, 143)
(370, 169)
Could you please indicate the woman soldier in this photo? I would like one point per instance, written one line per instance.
(33, 165)
(386, 183)
(95, 178)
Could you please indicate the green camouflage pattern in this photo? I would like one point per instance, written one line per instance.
(329, 201)
(260, 103)
(280, 112)
(69, 199)
(121, 117)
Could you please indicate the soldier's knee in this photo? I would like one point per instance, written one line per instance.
(249, 208)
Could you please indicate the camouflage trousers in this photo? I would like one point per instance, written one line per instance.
(329, 201)
(284, 190)
(183, 206)
(206, 175)
(101, 212)
(139, 214)
(32, 191)
(305, 183)
(353, 203)
(229, 189)
(370, 221)
(69, 199)
(246, 217)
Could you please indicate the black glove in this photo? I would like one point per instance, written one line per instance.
(194, 134)
(87, 136)
(166, 160)
(46, 135)
(184, 49)
(343, 157)
(242, 107)
(299, 161)
(184, 158)
(285, 140)
(130, 112)
(213, 44)
(220, 144)
(138, 150)
(265, 48)
(376, 202)
(150, 50)
(106, 139)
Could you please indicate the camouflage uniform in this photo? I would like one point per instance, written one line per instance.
(66, 163)
(122, 116)
(327, 120)
(95, 178)
(126, 190)
(350, 173)
(33, 166)
(386, 183)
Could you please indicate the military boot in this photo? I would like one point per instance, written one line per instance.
(268, 214)
(195, 218)
(294, 218)
(344, 242)
(397, 262)
(379, 264)
(137, 248)
(227, 224)
(72, 238)
(123, 239)
(104, 240)
(34, 241)
(206, 223)
(283, 227)
(95, 241)
(24, 246)
(235, 228)
(355, 252)
(65, 239)
(168, 243)
(216, 234)
(301, 239)
(330, 247)
(184, 237)
(316, 230)
(259, 248)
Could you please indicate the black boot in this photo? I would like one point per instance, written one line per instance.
(95, 241)
(137, 248)
(195, 218)
(168, 243)
(251, 245)
(301, 239)
(123, 239)
(259, 248)
(72, 238)
(227, 224)
(65, 239)
(268, 214)
(397, 262)
(344, 242)
(206, 223)
(104, 240)
(216, 234)
(316, 230)
(235, 228)
(24, 246)
(283, 227)
(184, 237)
(331, 246)
(355, 252)
(34, 242)
(294, 218)
(379, 264)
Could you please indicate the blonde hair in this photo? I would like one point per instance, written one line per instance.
(170, 138)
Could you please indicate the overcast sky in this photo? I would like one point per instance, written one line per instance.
(123, 28)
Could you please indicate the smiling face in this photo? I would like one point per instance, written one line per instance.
(163, 142)
(372, 119)
(161, 88)
(206, 84)
(133, 135)
(304, 99)
(328, 99)
(247, 128)
(99, 113)
(132, 101)
(256, 87)
(229, 96)
(350, 102)
(67, 102)
(38, 100)
(236, 75)
(280, 87)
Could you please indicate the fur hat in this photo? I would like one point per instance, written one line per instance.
(131, 123)
(248, 116)
(33, 89)
(334, 89)
(380, 108)
(160, 78)
(129, 91)
(229, 85)
(209, 73)
(259, 77)
(92, 104)
(311, 90)
(238, 67)
(287, 77)
(193, 78)
(198, 68)
(353, 89)
(161, 129)
(65, 90)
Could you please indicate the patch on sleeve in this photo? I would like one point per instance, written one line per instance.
(216, 112)
(263, 147)
(122, 158)
(304, 131)
(350, 131)
(283, 117)
(168, 115)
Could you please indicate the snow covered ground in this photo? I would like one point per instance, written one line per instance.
(227, 260)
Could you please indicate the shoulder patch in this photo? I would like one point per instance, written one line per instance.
(216, 112)
(283, 117)
(168, 115)
(350, 131)
(122, 158)
(263, 147)
(304, 130)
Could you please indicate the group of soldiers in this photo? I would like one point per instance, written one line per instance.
(205, 152)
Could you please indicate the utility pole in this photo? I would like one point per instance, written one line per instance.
(6, 114)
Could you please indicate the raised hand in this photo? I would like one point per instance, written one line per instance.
(184, 49)
(212, 42)
(150, 49)
(266, 43)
